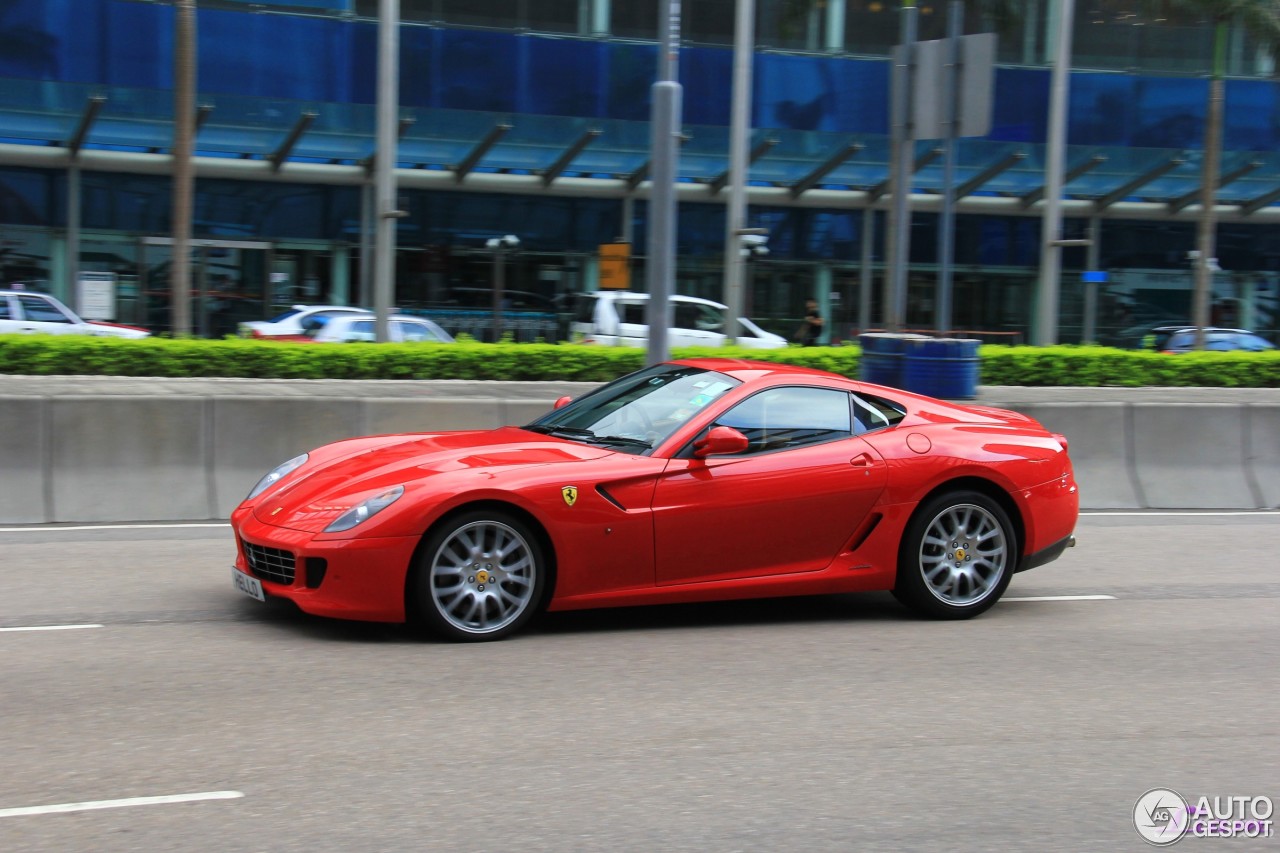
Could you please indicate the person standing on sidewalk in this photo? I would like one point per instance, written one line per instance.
(811, 328)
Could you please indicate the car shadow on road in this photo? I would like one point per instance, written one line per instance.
(862, 607)
(825, 609)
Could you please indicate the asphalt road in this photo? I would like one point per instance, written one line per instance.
(809, 724)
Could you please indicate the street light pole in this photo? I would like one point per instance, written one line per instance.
(500, 246)
(1045, 329)
(903, 150)
(739, 131)
(665, 128)
(384, 255)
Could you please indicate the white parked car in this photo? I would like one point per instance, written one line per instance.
(344, 328)
(291, 322)
(25, 311)
(618, 319)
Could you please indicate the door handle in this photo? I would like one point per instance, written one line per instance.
(862, 460)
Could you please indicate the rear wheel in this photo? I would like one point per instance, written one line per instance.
(957, 556)
(481, 576)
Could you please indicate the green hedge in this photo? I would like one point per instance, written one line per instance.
(46, 355)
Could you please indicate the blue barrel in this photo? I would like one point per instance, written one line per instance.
(942, 367)
(881, 358)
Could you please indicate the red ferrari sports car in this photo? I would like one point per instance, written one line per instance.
(698, 480)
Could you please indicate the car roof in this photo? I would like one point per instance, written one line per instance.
(1190, 328)
(744, 369)
(631, 296)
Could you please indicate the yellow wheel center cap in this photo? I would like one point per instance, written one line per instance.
(483, 577)
(959, 553)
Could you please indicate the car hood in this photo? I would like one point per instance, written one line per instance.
(116, 330)
(344, 476)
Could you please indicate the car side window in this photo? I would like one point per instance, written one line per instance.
(361, 330)
(631, 312)
(417, 332)
(37, 310)
(4, 308)
(872, 413)
(784, 418)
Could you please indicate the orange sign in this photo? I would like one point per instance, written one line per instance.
(615, 266)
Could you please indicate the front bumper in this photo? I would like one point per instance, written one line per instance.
(359, 579)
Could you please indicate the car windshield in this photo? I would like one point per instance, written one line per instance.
(638, 412)
(280, 318)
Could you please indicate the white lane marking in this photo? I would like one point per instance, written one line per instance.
(57, 528)
(60, 808)
(1062, 598)
(1104, 513)
(52, 628)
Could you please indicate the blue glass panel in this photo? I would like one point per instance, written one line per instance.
(32, 38)
(629, 72)
(1142, 111)
(563, 77)
(1252, 116)
(25, 198)
(795, 93)
(484, 71)
(135, 46)
(552, 224)
(1020, 109)
(706, 74)
(275, 55)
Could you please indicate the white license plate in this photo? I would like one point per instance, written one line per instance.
(247, 584)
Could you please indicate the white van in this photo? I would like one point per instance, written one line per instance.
(617, 318)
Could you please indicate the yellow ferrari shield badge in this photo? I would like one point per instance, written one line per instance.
(570, 494)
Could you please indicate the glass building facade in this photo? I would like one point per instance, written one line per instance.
(279, 222)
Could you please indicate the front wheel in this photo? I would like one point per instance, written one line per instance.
(957, 556)
(480, 576)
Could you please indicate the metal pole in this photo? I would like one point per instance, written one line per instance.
(184, 89)
(385, 164)
(947, 225)
(1045, 329)
(365, 294)
(895, 305)
(739, 130)
(1207, 222)
(499, 269)
(665, 129)
(835, 26)
(1093, 257)
(71, 293)
(865, 276)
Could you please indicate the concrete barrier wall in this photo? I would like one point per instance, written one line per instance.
(130, 457)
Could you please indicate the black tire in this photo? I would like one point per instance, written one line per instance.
(480, 576)
(938, 575)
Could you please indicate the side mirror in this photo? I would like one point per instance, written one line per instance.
(720, 441)
(313, 324)
(562, 402)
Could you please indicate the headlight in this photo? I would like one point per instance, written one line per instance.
(277, 474)
(365, 510)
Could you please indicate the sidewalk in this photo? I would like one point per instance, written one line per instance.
(989, 395)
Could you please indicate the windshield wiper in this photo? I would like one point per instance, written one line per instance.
(621, 439)
(562, 431)
(587, 435)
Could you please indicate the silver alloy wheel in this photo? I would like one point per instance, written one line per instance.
(482, 577)
(963, 555)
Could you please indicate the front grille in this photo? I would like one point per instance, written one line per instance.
(270, 564)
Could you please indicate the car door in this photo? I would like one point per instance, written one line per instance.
(696, 325)
(8, 320)
(788, 504)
